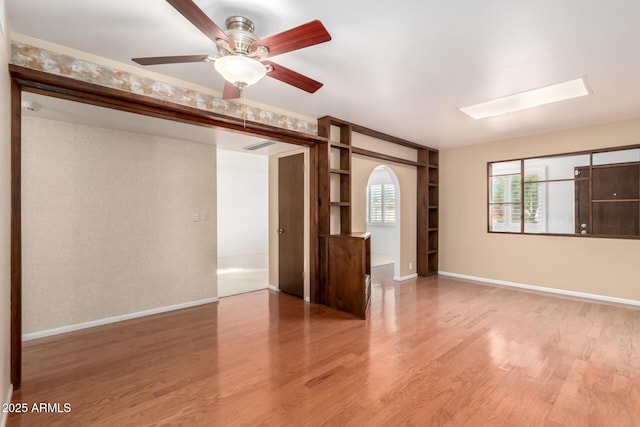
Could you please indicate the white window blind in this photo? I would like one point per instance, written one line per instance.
(381, 203)
(389, 207)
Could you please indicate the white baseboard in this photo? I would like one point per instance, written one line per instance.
(403, 278)
(273, 288)
(307, 299)
(106, 321)
(5, 415)
(542, 289)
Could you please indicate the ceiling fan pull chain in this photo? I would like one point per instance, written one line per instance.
(244, 108)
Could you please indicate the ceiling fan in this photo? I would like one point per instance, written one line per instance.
(241, 54)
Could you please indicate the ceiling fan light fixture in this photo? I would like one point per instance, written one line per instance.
(240, 70)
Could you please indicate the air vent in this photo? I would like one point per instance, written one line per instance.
(259, 145)
(31, 106)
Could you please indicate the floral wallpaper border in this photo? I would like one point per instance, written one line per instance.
(40, 59)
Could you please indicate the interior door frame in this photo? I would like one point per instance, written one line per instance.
(28, 80)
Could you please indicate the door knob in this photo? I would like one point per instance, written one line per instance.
(280, 231)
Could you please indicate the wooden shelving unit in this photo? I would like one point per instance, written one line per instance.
(434, 202)
(335, 177)
(334, 202)
(335, 209)
(428, 206)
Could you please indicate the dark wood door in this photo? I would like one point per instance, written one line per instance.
(291, 224)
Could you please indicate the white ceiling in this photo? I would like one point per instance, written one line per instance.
(402, 67)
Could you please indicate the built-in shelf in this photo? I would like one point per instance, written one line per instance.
(339, 145)
(337, 175)
(340, 171)
(432, 178)
(335, 209)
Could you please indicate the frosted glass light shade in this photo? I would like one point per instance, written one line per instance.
(240, 70)
(529, 99)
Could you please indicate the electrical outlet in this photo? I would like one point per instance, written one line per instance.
(410, 266)
(196, 217)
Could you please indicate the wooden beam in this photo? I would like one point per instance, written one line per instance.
(89, 93)
(373, 133)
(386, 157)
(16, 235)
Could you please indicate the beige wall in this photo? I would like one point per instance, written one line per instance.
(5, 214)
(108, 223)
(361, 168)
(384, 147)
(274, 259)
(606, 267)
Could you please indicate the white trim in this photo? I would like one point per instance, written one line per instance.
(543, 289)
(5, 415)
(403, 278)
(307, 299)
(106, 321)
(273, 288)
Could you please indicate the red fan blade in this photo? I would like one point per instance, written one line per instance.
(293, 78)
(200, 20)
(230, 91)
(305, 35)
(154, 60)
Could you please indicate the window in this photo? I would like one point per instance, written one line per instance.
(593, 193)
(508, 209)
(381, 204)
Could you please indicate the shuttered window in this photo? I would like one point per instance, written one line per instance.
(381, 204)
(506, 198)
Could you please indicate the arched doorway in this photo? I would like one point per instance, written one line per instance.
(383, 217)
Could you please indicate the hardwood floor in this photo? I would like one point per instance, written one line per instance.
(435, 351)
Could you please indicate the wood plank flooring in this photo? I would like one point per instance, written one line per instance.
(434, 352)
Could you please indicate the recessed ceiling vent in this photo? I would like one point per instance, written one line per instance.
(31, 106)
(259, 145)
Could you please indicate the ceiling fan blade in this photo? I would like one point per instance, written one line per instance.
(200, 20)
(154, 60)
(230, 91)
(305, 35)
(293, 78)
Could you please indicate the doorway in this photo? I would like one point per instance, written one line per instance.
(243, 221)
(177, 193)
(383, 218)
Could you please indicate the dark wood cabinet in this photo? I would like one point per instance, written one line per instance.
(609, 203)
(616, 182)
(349, 273)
